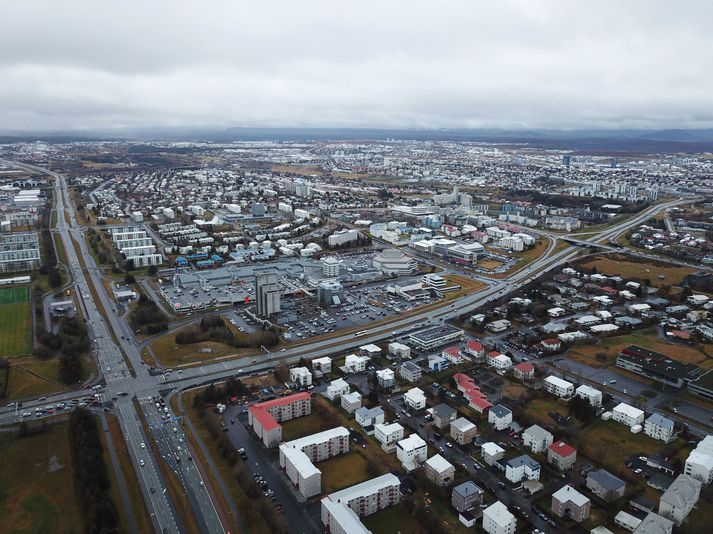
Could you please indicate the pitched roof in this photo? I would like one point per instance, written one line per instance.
(562, 449)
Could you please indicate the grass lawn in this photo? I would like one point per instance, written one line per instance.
(489, 265)
(31, 377)
(646, 338)
(343, 471)
(394, 520)
(36, 486)
(170, 354)
(15, 322)
(538, 410)
(303, 426)
(609, 443)
(620, 265)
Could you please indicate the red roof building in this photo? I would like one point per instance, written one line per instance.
(524, 371)
(476, 399)
(561, 455)
(265, 417)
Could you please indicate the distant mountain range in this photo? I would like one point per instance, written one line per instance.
(584, 141)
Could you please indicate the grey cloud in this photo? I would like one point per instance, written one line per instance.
(452, 64)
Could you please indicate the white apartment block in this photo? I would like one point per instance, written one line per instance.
(500, 417)
(498, 520)
(590, 394)
(341, 510)
(411, 451)
(337, 388)
(323, 365)
(439, 470)
(301, 376)
(297, 457)
(499, 362)
(388, 435)
(627, 415)
(368, 417)
(537, 438)
(557, 386)
(415, 399)
(410, 371)
(342, 237)
(699, 463)
(355, 364)
(385, 378)
(680, 498)
(351, 401)
(659, 427)
(400, 350)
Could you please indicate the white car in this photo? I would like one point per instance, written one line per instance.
(142, 463)
(143, 445)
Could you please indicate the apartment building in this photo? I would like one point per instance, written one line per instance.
(340, 511)
(498, 520)
(265, 417)
(500, 417)
(351, 401)
(322, 365)
(337, 388)
(699, 463)
(443, 415)
(466, 496)
(368, 417)
(537, 438)
(415, 399)
(524, 371)
(605, 485)
(463, 431)
(297, 457)
(680, 498)
(659, 427)
(590, 394)
(411, 451)
(561, 455)
(301, 376)
(522, 468)
(491, 452)
(439, 470)
(410, 371)
(559, 387)
(19, 252)
(388, 435)
(385, 378)
(627, 415)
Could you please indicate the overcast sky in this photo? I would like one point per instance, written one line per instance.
(456, 64)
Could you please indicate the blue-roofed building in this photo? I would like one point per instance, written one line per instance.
(659, 427)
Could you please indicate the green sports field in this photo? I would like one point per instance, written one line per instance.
(15, 321)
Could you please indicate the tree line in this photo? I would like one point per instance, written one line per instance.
(212, 327)
(148, 317)
(91, 477)
(71, 342)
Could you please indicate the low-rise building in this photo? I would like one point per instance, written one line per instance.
(351, 401)
(476, 398)
(491, 452)
(301, 376)
(411, 451)
(561, 455)
(368, 417)
(355, 364)
(385, 378)
(699, 463)
(568, 503)
(605, 485)
(388, 435)
(654, 524)
(475, 350)
(559, 387)
(500, 417)
(400, 350)
(337, 388)
(297, 457)
(524, 371)
(466, 496)
(522, 468)
(627, 521)
(265, 417)
(439, 470)
(322, 365)
(443, 415)
(452, 354)
(680, 498)
(590, 394)
(463, 431)
(437, 336)
(537, 438)
(438, 363)
(627, 415)
(340, 511)
(410, 371)
(656, 366)
(499, 362)
(659, 427)
(415, 399)
(498, 520)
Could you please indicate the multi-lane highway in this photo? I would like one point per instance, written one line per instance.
(118, 358)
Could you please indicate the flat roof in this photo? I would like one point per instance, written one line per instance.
(439, 463)
(368, 487)
(437, 332)
(345, 517)
(568, 493)
(319, 437)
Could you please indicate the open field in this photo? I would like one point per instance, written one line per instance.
(15, 321)
(648, 339)
(36, 484)
(392, 520)
(610, 443)
(538, 410)
(170, 353)
(619, 265)
(343, 471)
(490, 265)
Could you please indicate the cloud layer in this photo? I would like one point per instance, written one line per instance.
(449, 64)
